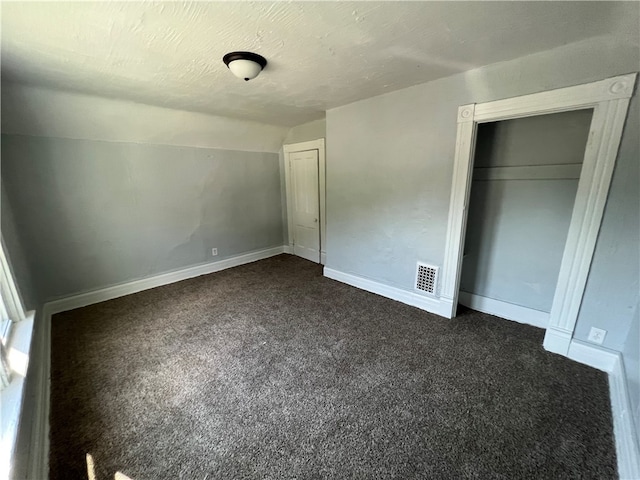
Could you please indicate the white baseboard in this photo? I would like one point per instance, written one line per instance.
(610, 361)
(593, 355)
(432, 305)
(557, 341)
(506, 310)
(624, 428)
(323, 254)
(109, 293)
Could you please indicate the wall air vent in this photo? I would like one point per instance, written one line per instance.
(426, 278)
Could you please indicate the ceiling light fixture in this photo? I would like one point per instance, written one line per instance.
(245, 65)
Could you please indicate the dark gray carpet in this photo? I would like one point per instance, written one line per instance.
(270, 370)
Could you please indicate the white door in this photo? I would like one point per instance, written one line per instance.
(306, 204)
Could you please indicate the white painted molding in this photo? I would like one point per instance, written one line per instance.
(557, 340)
(11, 298)
(624, 428)
(505, 310)
(109, 293)
(288, 249)
(529, 172)
(559, 100)
(432, 305)
(447, 308)
(303, 146)
(593, 188)
(466, 113)
(609, 100)
(457, 221)
(593, 355)
(323, 257)
(319, 145)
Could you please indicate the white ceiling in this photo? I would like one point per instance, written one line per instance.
(321, 54)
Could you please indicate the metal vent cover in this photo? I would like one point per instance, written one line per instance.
(426, 278)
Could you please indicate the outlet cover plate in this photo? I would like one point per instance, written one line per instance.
(596, 335)
(214, 252)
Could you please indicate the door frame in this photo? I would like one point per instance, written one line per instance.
(609, 100)
(302, 147)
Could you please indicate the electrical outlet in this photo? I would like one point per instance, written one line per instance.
(214, 252)
(596, 335)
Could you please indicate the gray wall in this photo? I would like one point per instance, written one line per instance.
(390, 165)
(307, 131)
(509, 217)
(98, 213)
(16, 255)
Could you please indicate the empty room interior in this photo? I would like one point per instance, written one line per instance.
(320, 240)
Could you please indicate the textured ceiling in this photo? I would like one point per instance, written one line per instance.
(321, 54)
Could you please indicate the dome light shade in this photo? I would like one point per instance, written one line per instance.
(245, 65)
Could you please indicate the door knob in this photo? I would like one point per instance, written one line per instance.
(315, 220)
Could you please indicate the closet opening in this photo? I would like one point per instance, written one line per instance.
(523, 189)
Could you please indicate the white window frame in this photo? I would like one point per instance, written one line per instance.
(16, 330)
(11, 304)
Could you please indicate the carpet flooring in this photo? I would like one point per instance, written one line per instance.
(270, 370)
